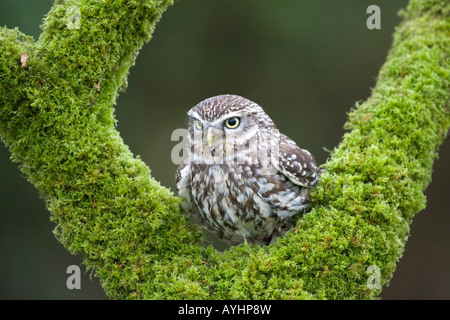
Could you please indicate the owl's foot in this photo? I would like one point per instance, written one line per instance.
(279, 232)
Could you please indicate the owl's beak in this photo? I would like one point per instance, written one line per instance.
(210, 137)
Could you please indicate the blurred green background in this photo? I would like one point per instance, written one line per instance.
(305, 62)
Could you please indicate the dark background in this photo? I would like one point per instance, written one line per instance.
(305, 62)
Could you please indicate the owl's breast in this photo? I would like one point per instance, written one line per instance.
(220, 191)
(238, 202)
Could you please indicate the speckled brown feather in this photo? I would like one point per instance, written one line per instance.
(238, 198)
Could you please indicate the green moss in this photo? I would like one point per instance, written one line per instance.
(57, 119)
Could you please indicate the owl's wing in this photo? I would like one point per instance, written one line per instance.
(297, 164)
(182, 179)
(181, 175)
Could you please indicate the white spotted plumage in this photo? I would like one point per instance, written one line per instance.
(242, 182)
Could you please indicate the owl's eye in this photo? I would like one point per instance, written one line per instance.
(198, 125)
(232, 123)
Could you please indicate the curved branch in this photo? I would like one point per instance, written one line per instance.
(57, 119)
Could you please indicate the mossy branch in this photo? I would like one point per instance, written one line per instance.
(56, 118)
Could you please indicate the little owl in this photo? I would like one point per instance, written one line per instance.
(242, 177)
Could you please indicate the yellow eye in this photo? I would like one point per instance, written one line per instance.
(232, 123)
(198, 125)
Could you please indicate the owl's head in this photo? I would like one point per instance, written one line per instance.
(225, 122)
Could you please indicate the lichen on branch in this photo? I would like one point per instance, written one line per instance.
(56, 118)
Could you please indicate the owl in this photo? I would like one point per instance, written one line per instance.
(242, 178)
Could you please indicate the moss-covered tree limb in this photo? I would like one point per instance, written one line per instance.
(56, 118)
